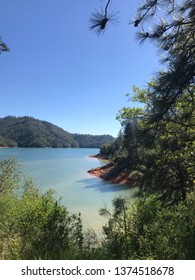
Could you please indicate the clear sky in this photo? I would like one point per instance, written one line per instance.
(59, 71)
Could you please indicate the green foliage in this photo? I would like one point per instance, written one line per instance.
(114, 151)
(174, 35)
(161, 151)
(107, 149)
(35, 225)
(115, 242)
(147, 230)
(10, 175)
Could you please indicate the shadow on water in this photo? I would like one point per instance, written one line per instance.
(101, 185)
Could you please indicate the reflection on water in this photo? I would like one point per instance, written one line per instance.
(65, 171)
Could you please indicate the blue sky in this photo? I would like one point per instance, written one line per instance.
(59, 71)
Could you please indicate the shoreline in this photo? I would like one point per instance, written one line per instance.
(112, 173)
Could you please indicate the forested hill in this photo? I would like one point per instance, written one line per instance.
(92, 141)
(30, 132)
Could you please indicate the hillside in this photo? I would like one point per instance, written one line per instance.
(30, 132)
(92, 141)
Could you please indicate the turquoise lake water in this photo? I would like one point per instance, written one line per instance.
(65, 171)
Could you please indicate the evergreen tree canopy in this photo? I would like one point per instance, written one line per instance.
(171, 26)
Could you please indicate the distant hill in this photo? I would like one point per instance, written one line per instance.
(30, 132)
(92, 141)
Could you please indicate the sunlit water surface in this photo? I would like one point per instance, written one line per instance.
(65, 171)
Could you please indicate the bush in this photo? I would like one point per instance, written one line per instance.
(147, 230)
(34, 225)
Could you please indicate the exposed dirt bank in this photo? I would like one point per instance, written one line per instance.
(113, 173)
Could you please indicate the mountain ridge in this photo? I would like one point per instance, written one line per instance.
(30, 132)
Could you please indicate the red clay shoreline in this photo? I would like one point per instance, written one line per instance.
(111, 173)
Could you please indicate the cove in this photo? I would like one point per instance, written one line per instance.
(65, 171)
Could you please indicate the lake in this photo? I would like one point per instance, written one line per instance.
(65, 171)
